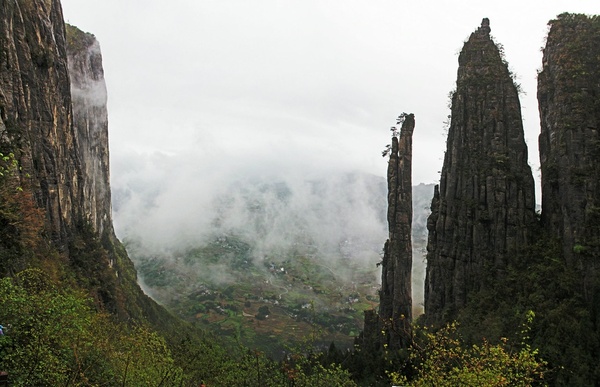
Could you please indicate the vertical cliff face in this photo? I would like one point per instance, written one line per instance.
(90, 121)
(569, 104)
(35, 107)
(61, 143)
(66, 158)
(395, 308)
(485, 205)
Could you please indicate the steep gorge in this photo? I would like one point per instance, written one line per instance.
(53, 117)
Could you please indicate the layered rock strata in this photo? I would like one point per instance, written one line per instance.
(569, 105)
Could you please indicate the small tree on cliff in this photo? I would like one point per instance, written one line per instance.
(395, 133)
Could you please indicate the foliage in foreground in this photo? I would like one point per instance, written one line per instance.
(445, 360)
(54, 336)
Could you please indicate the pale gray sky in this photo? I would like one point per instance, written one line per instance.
(297, 85)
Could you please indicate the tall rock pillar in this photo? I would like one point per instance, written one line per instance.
(485, 204)
(569, 105)
(395, 308)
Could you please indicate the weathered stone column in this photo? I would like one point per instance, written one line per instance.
(484, 210)
(569, 105)
(395, 308)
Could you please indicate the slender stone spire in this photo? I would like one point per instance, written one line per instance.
(395, 309)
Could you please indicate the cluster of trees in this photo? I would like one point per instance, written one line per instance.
(445, 357)
(54, 336)
(446, 360)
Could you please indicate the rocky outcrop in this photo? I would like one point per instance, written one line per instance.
(569, 104)
(90, 121)
(484, 208)
(395, 307)
(35, 108)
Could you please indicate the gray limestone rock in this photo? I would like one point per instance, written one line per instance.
(484, 209)
(35, 108)
(395, 308)
(90, 121)
(569, 105)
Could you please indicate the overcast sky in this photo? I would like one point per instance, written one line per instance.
(298, 85)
